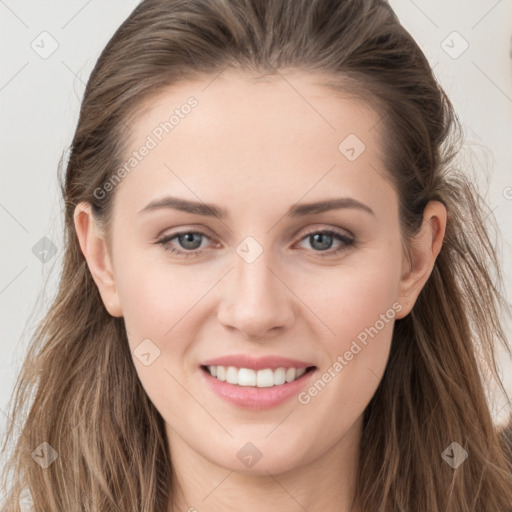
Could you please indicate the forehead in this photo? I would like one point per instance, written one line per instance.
(247, 133)
(289, 103)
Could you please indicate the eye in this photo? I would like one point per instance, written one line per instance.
(189, 243)
(322, 241)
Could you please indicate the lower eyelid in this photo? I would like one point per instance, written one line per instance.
(346, 241)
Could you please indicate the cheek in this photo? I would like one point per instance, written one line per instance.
(352, 297)
(342, 301)
(367, 298)
(157, 301)
(158, 306)
(358, 305)
(147, 302)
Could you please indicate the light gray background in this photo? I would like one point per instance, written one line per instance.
(40, 97)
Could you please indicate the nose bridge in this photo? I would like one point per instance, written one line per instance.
(255, 301)
(254, 280)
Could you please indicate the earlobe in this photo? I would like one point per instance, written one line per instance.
(423, 251)
(94, 248)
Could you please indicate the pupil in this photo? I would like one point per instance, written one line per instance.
(187, 240)
(324, 239)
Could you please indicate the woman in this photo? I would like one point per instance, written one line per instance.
(276, 290)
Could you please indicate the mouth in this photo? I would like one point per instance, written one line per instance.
(262, 378)
(257, 383)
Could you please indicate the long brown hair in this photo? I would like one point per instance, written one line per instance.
(78, 389)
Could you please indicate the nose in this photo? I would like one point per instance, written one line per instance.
(255, 300)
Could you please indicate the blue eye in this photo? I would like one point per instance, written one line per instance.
(321, 241)
(188, 240)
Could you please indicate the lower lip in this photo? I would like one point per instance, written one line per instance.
(251, 397)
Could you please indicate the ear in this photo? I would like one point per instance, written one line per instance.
(94, 248)
(423, 251)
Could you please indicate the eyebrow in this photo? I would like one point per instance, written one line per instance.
(297, 210)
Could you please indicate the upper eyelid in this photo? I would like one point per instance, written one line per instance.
(336, 231)
(317, 227)
(200, 231)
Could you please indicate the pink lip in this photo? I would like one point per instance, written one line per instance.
(249, 397)
(256, 363)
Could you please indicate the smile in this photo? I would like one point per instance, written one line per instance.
(263, 378)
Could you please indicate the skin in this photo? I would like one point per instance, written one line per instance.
(255, 147)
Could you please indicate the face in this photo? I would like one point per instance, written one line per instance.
(290, 267)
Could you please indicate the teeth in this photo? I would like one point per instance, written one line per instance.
(221, 372)
(291, 373)
(259, 378)
(279, 376)
(232, 375)
(246, 377)
(265, 378)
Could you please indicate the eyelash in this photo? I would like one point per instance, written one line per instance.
(346, 243)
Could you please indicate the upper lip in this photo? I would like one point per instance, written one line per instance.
(256, 363)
